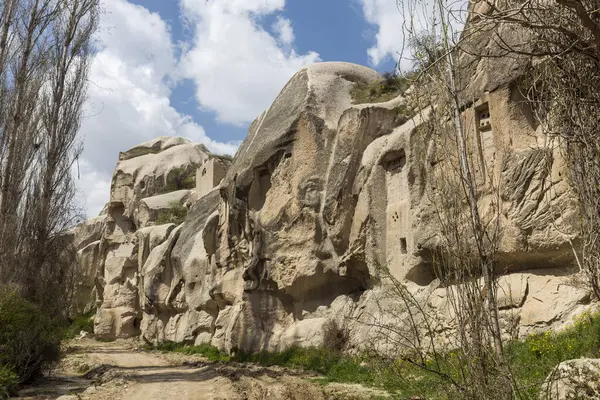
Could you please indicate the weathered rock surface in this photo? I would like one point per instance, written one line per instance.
(160, 165)
(321, 193)
(573, 379)
(151, 188)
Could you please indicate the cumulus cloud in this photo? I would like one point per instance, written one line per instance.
(94, 188)
(239, 67)
(393, 20)
(283, 29)
(129, 96)
(387, 19)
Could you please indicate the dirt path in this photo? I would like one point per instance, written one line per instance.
(119, 371)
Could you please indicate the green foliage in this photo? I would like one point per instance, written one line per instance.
(179, 179)
(533, 359)
(205, 350)
(397, 377)
(29, 338)
(80, 323)
(319, 360)
(175, 214)
(224, 157)
(335, 336)
(382, 90)
(8, 381)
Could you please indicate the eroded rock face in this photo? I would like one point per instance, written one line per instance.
(86, 241)
(573, 379)
(150, 191)
(161, 165)
(321, 193)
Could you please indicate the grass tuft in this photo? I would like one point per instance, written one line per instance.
(179, 178)
(531, 360)
(205, 350)
(80, 323)
(8, 381)
(176, 214)
(385, 89)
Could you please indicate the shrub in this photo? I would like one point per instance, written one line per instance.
(8, 381)
(80, 323)
(176, 214)
(179, 179)
(210, 352)
(335, 337)
(29, 338)
(385, 89)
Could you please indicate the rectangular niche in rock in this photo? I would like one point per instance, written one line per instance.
(403, 246)
(485, 141)
(260, 186)
(483, 117)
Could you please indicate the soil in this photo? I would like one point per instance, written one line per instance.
(93, 370)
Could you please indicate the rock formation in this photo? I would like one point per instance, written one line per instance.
(573, 379)
(290, 234)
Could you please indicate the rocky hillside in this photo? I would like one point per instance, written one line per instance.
(261, 251)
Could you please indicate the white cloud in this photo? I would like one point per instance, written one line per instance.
(238, 66)
(283, 29)
(385, 16)
(94, 188)
(129, 96)
(397, 21)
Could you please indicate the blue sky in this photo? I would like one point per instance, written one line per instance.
(204, 69)
(337, 32)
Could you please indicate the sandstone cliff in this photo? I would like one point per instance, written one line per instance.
(290, 233)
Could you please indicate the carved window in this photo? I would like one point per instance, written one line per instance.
(394, 161)
(260, 187)
(403, 246)
(484, 120)
(203, 171)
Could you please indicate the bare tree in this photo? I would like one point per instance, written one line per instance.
(45, 53)
(466, 256)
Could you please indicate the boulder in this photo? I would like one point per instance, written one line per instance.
(573, 379)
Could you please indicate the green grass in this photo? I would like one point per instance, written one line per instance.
(80, 323)
(179, 179)
(397, 377)
(385, 89)
(176, 214)
(8, 381)
(531, 360)
(210, 352)
(29, 339)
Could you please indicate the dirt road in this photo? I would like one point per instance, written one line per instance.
(119, 371)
